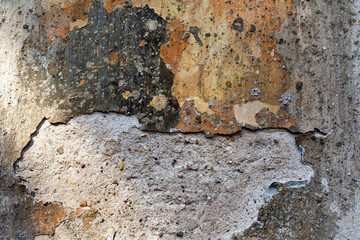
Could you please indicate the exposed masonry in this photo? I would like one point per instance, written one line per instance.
(170, 183)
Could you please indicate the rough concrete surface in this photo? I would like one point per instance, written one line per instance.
(170, 183)
(94, 95)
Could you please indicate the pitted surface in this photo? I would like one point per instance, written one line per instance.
(169, 182)
(213, 67)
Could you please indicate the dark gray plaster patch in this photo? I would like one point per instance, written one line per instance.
(93, 66)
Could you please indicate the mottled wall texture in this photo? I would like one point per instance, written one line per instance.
(184, 119)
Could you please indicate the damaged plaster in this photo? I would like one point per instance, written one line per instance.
(180, 66)
(169, 183)
(101, 58)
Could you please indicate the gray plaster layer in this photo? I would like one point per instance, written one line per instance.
(349, 225)
(17, 108)
(320, 48)
(170, 182)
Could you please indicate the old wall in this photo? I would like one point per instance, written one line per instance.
(169, 119)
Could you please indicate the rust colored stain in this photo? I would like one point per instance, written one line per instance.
(82, 81)
(221, 121)
(110, 4)
(230, 57)
(114, 57)
(267, 119)
(47, 216)
(56, 22)
(142, 43)
(172, 50)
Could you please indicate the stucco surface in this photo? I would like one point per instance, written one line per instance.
(169, 182)
(170, 67)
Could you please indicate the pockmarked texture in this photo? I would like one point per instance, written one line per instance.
(212, 65)
(166, 183)
(110, 64)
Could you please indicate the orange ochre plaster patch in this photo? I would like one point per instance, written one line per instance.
(231, 60)
(172, 50)
(110, 4)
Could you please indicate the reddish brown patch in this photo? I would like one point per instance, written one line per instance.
(221, 122)
(110, 4)
(171, 51)
(267, 119)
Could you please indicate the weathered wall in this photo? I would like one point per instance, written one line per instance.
(171, 73)
(169, 183)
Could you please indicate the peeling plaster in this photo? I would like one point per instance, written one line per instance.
(220, 73)
(315, 46)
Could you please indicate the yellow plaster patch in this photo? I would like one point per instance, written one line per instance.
(202, 106)
(127, 95)
(159, 102)
(222, 50)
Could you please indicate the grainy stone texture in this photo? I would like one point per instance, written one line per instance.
(176, 67)
(170, 183)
